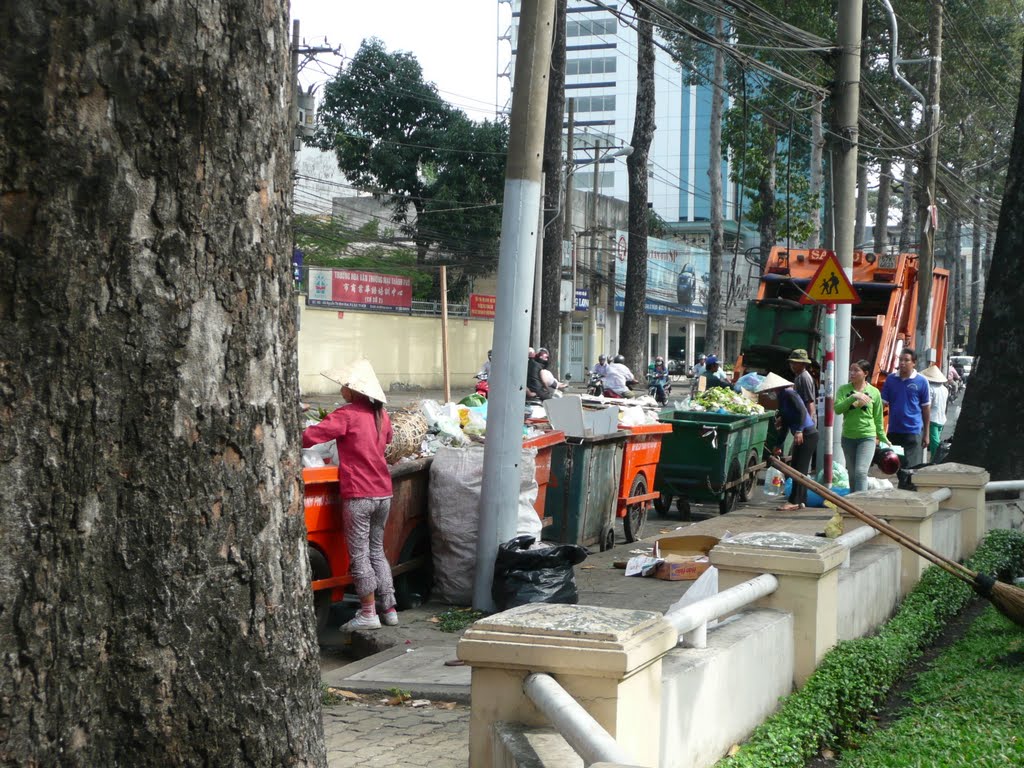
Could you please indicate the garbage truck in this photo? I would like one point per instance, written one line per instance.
(882, 323)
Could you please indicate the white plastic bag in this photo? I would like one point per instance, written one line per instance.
(705, 586)
(321, 454)
(774, 482)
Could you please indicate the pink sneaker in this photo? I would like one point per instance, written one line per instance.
(361, 621)
(390, 618)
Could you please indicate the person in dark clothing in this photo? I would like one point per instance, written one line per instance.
(803, 383)
(793, 416)
(536, 389)
(712, 376)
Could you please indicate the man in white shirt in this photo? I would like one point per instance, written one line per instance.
(618, 377)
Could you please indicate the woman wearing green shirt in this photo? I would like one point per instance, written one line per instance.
(862, 424)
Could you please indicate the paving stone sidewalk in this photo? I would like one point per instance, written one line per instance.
(365, 734)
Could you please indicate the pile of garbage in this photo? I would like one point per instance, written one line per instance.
(721, 400)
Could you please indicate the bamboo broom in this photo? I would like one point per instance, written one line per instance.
(1007, 598)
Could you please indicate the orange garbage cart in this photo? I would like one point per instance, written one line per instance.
(636, 488)
(543, 443)
(406, 536)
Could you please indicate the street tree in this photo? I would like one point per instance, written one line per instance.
(441, 174)
(633, 344)
(554, 166)
(154, 588)
(990, 409)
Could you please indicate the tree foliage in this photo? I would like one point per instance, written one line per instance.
(394, 136)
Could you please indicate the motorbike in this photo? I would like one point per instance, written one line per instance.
(482, 387)
(652, 387)
(595, 385)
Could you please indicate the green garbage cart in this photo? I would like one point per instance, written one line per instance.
(583, 490)
(710, 457)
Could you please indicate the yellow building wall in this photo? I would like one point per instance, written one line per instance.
(403, 349)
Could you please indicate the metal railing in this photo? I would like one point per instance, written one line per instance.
(1004, 485)
(691, 621)
(940, 495)
(854, 539)
(582, 732)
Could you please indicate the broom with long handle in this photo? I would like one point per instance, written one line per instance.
(1008, 599)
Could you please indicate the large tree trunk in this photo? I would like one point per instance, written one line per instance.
(554, 216)
(715, 328)
(990, 409)
(634, 316)
(882, 209)
(154, 589)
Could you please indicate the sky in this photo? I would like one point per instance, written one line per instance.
(455, 41)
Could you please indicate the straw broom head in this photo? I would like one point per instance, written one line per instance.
(1008, 599)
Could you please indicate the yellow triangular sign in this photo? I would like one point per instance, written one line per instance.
(830, 285)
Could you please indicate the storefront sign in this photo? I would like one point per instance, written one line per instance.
(677, 277)
(582, 300)
(349, 289)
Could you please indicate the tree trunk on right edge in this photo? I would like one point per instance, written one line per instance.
(634, 315)
(991, 420)
(713, 334)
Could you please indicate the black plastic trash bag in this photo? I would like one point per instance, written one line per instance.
(523, 575)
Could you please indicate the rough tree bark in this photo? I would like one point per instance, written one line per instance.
(554, 216)
(975, 293)
(907, 207)
(716, 295)
(990, 410)
(154, 588)
(817, 174)
(633, 343)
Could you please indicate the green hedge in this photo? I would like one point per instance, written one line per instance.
(854, 676)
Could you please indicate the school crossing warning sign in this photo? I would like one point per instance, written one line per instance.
(830, 285)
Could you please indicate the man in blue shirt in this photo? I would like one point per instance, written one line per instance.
(909, 401)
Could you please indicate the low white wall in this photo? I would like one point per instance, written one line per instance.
(946, 539)
(714, 697)
(526, 746)
(404, 349)
(869, 589)
(1008, 515)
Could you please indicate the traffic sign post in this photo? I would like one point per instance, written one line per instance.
(829, 286)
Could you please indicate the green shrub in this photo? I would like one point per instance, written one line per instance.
(854, 676)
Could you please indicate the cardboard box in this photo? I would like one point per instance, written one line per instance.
(686, 557)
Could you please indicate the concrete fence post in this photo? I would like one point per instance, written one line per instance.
(608, 659)
(807, 568)
(968, 486)
(910, 513)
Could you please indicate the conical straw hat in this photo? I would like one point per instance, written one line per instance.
(359, 377)
(934, 375)
(773, 381)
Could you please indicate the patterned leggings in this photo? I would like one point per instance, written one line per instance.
(364, 521)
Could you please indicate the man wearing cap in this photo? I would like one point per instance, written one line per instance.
(939, 399)
(713, 377)
(909, 400)
(802, 381)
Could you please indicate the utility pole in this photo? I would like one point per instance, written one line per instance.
(499, 495)
(844, 188)
(927, 202)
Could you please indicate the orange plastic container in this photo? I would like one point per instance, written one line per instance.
(406, 537)
(543, 443)
(636, 488)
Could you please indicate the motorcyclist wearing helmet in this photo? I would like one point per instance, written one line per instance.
(544, 358)
(536, 389)
(618, 377)
(699, 367)
(601, 369)
(713, 375)
(658, 379)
